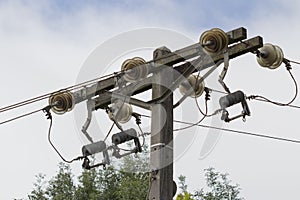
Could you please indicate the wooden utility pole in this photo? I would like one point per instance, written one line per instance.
(163, 79)
(161, 156)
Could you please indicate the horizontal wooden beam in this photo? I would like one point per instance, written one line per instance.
(193, 66)
(172, 58)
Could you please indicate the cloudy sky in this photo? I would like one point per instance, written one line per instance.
(44, 45)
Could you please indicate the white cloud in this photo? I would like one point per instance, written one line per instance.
(42, 48)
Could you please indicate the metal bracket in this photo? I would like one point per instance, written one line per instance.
(90, 105)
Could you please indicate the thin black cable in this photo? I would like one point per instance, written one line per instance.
(138, 121)
(295, 62)
(108, 133)
(20, 116)
(49, 139)
(194, 124)
(235, 131)
(262, 100)
(195, 88)
(121, 129)
(218, 91)
(278, 103)
(292, 106)
(143, 135)
(205, 114)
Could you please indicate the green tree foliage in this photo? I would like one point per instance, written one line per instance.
(87, 187)
(182, 185)
(220, 187)
(108, 182)
(218, 184)
(184, 196)
(38, 193)
(61, 186)
(131, 182)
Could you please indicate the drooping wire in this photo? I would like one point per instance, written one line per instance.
(288, 66)
(200, 110)
(291, 106)
(143, 135)
(259, 97)
(262, 100)
(49, 116)
(234, 131)
(194, 124)
(207, 98)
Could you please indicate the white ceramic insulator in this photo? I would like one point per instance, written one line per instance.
(122, 112)
(135, 69)
(192, 86)
(270, 56)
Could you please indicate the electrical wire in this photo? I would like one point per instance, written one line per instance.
(235, 131)
(195, 88)
(49, 139)
(292, 61)
(292, 106)
(112, 126)
(143, 135)
(205, 114)
(262, 100)
(20, 116)
(274, 102)
(23, 103)
(45, 96)
(198, 106)
(70, 88)
(218, 91)
(194, 124)
(242, 132)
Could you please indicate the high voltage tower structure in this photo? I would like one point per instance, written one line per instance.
(167, 71)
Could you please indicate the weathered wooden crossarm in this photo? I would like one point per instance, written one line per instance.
(233, 51)
(202, 63)
(180, 55)
(105, 99)
(199, 63)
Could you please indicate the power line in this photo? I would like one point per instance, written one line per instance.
(291, 106)
(20, 116)
(259, 99)
(242, 132)
(262, 100)
(295, 62)
(235, 131)
(45, 96)
(278, 103)
(193, 124)
(49, 116)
